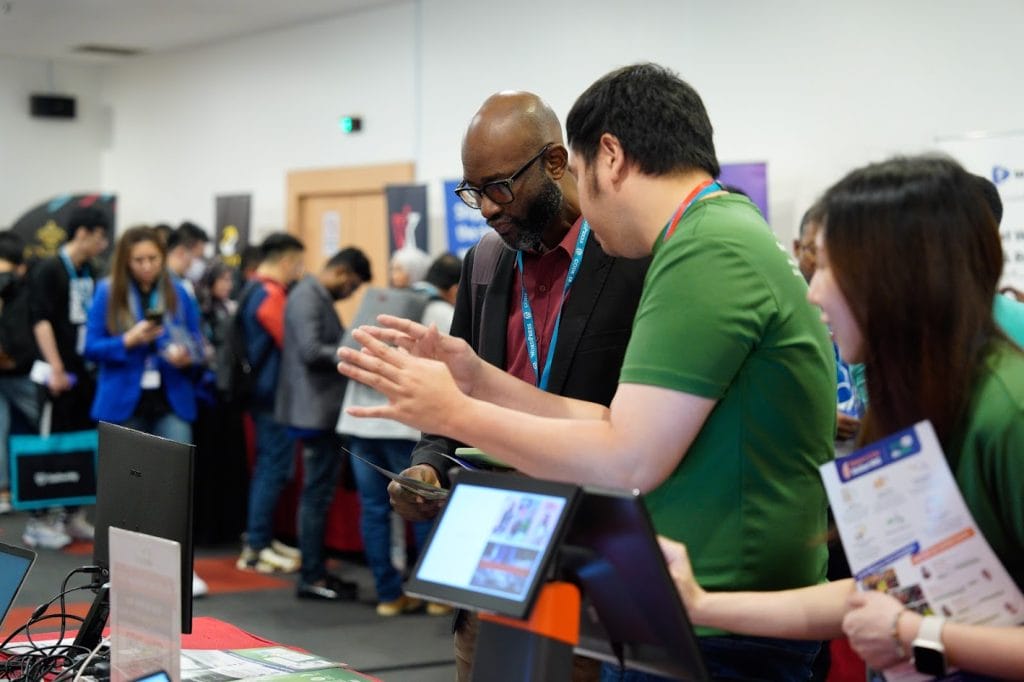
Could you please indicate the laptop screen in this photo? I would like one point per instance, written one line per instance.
(14, 565)
(492, 544)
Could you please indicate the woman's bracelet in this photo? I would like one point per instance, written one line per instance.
(901, 651)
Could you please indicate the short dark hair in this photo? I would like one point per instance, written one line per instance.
(353, 259)
(193, 233)
(658, 118)
(815, 214)
(445, 271)
(12, 247)
(88, 217)
(990, 193)
(187, 235)
(277, 244)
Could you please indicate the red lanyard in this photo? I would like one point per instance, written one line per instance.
(706, 187)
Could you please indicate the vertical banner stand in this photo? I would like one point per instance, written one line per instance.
(540, 648)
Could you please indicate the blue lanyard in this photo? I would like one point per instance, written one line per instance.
(70, 267)
(529, 328)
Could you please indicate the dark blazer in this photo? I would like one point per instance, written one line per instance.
(596, 323)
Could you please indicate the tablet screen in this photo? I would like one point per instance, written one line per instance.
(490, 548)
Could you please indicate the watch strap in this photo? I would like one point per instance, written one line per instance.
(930, 632)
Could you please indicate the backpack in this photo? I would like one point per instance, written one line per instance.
(236, 375)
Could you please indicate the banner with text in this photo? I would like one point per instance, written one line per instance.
(999, 158)
(465, 225)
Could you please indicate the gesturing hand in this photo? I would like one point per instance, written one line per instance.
(428, 342)
(421, 393)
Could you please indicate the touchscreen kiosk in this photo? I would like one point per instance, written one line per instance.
(631, 609)
(491, 548)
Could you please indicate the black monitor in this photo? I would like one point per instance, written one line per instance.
(144, 484)
(631, 608)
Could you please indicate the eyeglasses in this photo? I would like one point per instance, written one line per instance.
(498, 191)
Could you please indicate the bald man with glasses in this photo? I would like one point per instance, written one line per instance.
(540, 264)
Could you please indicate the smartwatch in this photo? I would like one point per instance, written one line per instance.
(929, 654)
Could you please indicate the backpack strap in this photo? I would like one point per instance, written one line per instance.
(485, 260)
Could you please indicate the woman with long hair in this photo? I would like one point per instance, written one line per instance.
(143, 332)
(908, 264)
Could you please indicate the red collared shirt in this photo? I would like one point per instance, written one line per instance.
(544, 277)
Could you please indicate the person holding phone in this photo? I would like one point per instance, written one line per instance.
(142, 332)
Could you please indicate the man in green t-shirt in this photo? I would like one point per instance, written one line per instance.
(726, 401)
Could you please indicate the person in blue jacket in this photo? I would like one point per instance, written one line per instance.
(143, 332)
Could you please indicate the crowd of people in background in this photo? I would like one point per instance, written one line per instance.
(146, 343)
(591, 342)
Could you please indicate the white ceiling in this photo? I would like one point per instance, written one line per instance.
(51, 29)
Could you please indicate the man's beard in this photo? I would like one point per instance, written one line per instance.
(539, 215)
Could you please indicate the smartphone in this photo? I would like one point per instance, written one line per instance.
(154, 315)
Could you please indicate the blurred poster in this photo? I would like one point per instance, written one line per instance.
(44, 227)
(232, 228)
(407, 217)
(751, 179)
(1000, 158)
(465, 225)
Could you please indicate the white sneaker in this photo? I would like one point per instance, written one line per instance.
(266, 560)
(78, 527)
(285, 550)
(199, 586)
(46, 533)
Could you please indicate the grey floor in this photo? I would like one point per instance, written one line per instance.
(401, 649)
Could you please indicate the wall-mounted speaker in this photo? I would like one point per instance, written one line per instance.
(52, 106)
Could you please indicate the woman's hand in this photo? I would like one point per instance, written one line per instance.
(144, 332)
(177, 355)
(870, 625)
(682, 575)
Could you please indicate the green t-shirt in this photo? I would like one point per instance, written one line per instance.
(988, 460)
(724, 315)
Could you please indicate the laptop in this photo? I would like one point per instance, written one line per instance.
(14, 565)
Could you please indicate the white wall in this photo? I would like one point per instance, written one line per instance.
(41, 158)
(236, 118)
(812, 88)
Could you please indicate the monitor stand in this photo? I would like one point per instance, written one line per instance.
(540, 648)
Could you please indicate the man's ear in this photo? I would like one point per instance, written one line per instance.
(611, 155)
(556, 161)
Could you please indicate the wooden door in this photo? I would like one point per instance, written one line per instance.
(335, 208)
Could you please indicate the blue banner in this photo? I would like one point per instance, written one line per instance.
(465, 224)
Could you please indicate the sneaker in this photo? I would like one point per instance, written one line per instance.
(330, 587)
(437, 609)
(404, 604)
(266, 560)
(285, 550)
(199, 586)
(78, 527)
(46, 532)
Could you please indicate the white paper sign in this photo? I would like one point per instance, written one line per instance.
(145, 605)
(907, 531)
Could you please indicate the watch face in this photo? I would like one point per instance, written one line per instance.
(929, 661)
